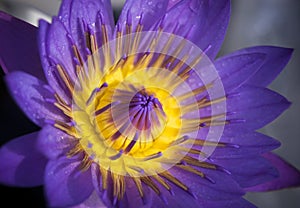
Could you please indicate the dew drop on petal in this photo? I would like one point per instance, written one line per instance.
(159, 5)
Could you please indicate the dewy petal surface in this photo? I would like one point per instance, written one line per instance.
(47, 65)
(190, 19)
(58, 48)
(146, 12)
(195, 20)
(21, 164)
(53, 143)
(65, 184)
(216, 15)
(33, 96)
(18, 41)
(235, 70)
(80, 16)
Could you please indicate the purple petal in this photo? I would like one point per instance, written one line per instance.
(85, 10)
(21, 164)
(247, 110)
(18, 46)
(59, 49)
(49, 68)
(289, 176)
(54, 143)
(65, 184)
(186, 201)
(240, 203)
(223, 188)
(198, 20)
(172, 3)
(216, 23)
(80, 16)
(249, 171)
(133, 198)
(201, 193)
(191, 20)
(145, 12)
(92, 201)
(243, 144)
(31, 94)
(275, 60)
(186, 19)
(235, 70)
(105, 195)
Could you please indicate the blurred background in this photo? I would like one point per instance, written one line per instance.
(255, 22)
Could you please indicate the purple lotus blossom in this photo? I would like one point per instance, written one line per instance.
(141, 114)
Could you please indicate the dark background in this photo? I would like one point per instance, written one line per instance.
(253, 22)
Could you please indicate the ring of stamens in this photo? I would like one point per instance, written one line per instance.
(113, 99)
(135, 121)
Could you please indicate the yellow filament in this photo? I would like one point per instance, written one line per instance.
(65, 78)
(139, 186)
(162, 182)
(195, 162)
(174, 180)
(151, 184)
(192, 170)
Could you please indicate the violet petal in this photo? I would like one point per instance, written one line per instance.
(21, 164)
(249, 171)
(53, 143)
(92, 201)
(59, 49)
(216, 23)
(236, 144)
(243, 144)
(187, 201)
(49, 68)
(92, 13)
(289, 176)
(216, 15)
(145, 12)
(18, 41)
(275, 60)
(223, 188)
(65, 184)
(251, 111)
(235, 70)
(31, 95)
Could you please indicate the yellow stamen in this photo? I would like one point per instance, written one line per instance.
(174, 180)
(65, 77)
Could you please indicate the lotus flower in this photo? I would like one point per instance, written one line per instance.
(141, 113)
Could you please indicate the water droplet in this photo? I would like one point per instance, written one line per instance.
(194, 6)
(159, 5)
(138, 17)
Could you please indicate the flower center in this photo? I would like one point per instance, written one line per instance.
(141, 110)
(136, 109)
(130, 119)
